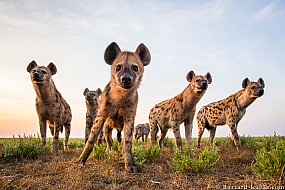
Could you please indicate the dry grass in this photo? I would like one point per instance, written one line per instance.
(63, 172)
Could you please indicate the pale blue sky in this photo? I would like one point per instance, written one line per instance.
(230, 39)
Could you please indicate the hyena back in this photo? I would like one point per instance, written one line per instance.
(50, 105)
(120, 97)
(92, 101)
(229, 110)
(169, 114)
(142, 131)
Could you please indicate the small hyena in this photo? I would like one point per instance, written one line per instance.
(169, 114)
(141, 131)
(229, 111)
(120, 98)
(50, 105)
(92, 101)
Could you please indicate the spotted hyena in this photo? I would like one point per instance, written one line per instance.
(142, 131)
(120, 97)
(169, 114)
(229, 111)
(50, 105)
(92, 101)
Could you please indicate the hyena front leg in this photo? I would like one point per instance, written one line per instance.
(108, 135)
(67, 128)
(188, 124)
(55, 139)
(235, 137)
(89, 124)
(43, 130)
(177, 136)
(153, 132)
(96, 129)
(130, 166)
(212, 135)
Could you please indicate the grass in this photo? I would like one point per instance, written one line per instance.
(24, 164)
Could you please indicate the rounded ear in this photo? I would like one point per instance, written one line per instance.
(144, 54)
(111, 53)
(190, 76)
(31, 66)
(245, 82)
(52, 68)
(99, 91)
(85, 91)
(209, 78)
(260, 80)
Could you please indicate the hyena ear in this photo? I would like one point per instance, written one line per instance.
(31, 66)
(52, 68)
(260, 80)
(209, 78)
(85, 91)
(99, 91)
(245, 82)
(111, 53)
(190, 76)
(144, 54)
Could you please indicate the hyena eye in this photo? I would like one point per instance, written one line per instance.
(44, 72)
(135, 68)
(118, 68)
(197, 80)
(253, 87)
(34, 70)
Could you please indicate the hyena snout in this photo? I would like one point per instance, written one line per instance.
(38, 76)
(127, 80)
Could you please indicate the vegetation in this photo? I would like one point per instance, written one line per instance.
(25, 164)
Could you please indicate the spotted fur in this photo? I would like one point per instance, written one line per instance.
(229, 110)
(50, 105)
(169, 114)
(120, 97)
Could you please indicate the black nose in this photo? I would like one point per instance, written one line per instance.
(261, 92)
(36, 74)
(204, 82)
(126, 79)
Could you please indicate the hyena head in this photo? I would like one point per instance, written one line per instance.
(41, 74)
(127, 67)
(199, 83)
(92, 96)
(254, 89)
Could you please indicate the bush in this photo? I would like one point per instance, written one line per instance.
(141, 154)
(190, 160)
(21, 148)
(270, 164)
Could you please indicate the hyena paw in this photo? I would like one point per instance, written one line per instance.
(133, 168)
(66, 147)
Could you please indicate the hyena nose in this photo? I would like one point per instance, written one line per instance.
(36, 74)
(127, 78)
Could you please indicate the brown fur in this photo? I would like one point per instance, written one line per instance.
(108, 127)
(169, 114)
(120, 97)
(92, 101)
(142, 131)
(50, 105)
(229, 111)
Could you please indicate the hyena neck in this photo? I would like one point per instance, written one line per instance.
(118, 94)
(46, 92)
(92, 108)
(243, 99)
(190, 97)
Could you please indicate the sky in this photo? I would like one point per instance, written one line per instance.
(230, 39)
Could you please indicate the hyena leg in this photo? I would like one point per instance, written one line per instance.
(100, 137)
(67, 128)
(146, 136)
(108, 136)
(55, 140)
(96, 129)
(43, 131)
(162, 136)
(201, 127)
(130, 166)
(119, 136)
(212, 135)
(177, 136)
(188, 130)
(87, 129)
(235, 136)
(142, 137)
(153, 132)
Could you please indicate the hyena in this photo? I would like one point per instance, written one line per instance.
(229, 110)
(169, 114)
(92, 101)
(50, 105)
(142, 131)
(108, 127)
(120, 98)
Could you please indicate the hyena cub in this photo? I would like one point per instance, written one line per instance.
(50, 105)
(229, 111)
(92, 101)
(169, 114)
(120, 97)
(142, 131)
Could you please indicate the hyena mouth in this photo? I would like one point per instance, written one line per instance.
(37, 80)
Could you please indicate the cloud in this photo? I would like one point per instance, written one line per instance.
(268, 12)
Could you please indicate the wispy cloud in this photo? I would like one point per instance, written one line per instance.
(266, 13)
